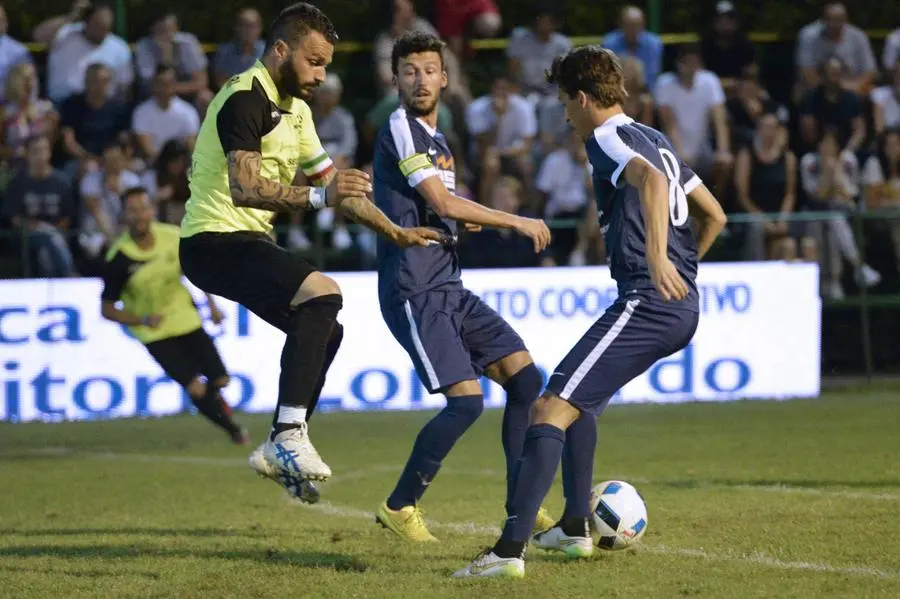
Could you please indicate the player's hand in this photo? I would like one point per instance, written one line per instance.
(153, 321)
(348, 183)
(216, 314)
(536, 230)
(422, 236)
(667, 280)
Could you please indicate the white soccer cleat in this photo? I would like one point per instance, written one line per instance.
(490, 564)
(555, 539)
(293, 462)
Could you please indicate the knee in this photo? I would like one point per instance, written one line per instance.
(221, 382)
(468, 408)
(315, 286)
(525, 385)
(551, 409)
(196, 388)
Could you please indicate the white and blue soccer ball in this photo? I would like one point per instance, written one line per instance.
(618, 515)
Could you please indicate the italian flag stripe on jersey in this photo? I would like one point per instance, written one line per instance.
(317, 165)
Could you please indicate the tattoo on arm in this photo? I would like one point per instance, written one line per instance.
(364, 212)
(249, 189)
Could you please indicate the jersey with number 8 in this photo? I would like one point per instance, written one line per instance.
(611, 146)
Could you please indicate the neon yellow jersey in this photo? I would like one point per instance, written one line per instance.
(249, 114)
(149, 282)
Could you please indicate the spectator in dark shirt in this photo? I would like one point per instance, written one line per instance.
(750, 103)
(39, 202)
(499, 248)
(831, 106)
(726, 50)
(91, 121)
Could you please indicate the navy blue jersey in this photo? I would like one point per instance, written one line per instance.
(408, 151)
(609, 149)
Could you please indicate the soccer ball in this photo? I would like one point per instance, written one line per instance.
(618, 515)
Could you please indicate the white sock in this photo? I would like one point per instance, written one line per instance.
(289, 415)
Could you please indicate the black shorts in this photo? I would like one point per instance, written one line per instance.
(186, 357)
(248, 268)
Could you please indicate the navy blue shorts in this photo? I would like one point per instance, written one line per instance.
(626, 341)
(451, 336)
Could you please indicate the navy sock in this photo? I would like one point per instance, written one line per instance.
(578, 466)
(540, 459)
(432, 445)
(522, 389)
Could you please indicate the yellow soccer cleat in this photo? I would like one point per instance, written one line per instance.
(407, 523)
(544, 521)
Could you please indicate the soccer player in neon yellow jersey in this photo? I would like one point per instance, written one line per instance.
(257, 133)
(142, 272)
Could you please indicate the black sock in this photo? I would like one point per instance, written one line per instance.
(507, 549)
(211, 405)
(522, 389)
(303, 356)
(575, 527)
(334, 343)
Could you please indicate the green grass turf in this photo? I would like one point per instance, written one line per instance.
(748, 499)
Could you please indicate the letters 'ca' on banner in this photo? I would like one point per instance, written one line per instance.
(759, 337)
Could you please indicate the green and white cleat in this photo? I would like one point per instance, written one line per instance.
(555, 539)
(489, 564)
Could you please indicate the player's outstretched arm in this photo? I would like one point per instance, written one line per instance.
(709, 214)
(653, 189)
(250, 189)
(363, 211)
(448, 205)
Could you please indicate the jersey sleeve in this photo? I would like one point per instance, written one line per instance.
(689, 179)
(314, 160)
(243, 120)
(411, 143)
(609, 155)
(115, 276)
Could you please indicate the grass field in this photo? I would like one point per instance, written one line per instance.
(748, 499)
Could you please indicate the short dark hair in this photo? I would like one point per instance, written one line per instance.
(296, 21)
(94, 8)
(593, 70)
(415, 42)
(691, 49)
(133, 191)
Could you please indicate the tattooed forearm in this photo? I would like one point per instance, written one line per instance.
(249, 189)
(364, 212)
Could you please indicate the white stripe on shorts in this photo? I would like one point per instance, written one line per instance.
(598, 350)
(420, 349)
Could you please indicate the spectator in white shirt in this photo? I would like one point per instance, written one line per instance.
(12, 52)
(832, 36)
(166, 45)
(79, 48)
(102, 210)
(891, 53)
(531, 52)
(165, 116)
(830, 178)
(886, 104)
(564, 183)
(503, 125)
(55, 28)
(689, 100)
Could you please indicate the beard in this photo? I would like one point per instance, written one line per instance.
(420, 106)
(291, 85)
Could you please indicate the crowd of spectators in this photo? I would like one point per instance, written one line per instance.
(106, 116)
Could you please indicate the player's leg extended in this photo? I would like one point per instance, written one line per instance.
(211, 404)
(551, 416)
(400, 513)
(523, 382)
(427, 326)
(578, 470)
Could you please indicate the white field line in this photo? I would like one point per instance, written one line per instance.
(485, 472)
(757, 559)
